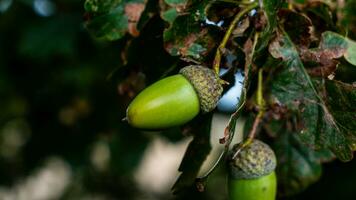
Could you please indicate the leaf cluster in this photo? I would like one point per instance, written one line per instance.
(306, 53)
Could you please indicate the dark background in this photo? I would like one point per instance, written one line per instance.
(62, 97)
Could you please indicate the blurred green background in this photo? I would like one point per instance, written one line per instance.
(62, 97)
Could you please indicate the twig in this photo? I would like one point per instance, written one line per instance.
(237, 2)
(217, 60)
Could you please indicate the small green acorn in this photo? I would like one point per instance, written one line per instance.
(252, 173)
(176, 99)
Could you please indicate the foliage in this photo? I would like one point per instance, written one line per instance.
(64, 89)
(304, 45)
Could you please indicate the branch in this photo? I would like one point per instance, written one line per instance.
(217, 60)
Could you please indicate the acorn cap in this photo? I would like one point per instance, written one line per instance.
(254, 161)
(206, 84)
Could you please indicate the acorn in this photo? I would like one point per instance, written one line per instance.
(252, 173)
(176, 99)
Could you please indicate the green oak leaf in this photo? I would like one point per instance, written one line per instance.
(350, 54)
(331, 46)
(171, 9)
(112, 19)
(341, 101)
(336, 43)
(187, 38)
(292, 87)
(298, 165)
(169, 15)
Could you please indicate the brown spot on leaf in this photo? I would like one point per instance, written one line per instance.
(248, 50)
(324, 58)
(297, 25)
(277, 111)
(276, 44)
(183, 45)
(226, 135)
(241, 28)
(181, 8)
(320, 55)
(133, 12)
(324, 70)
(260, 21)
(187, 42)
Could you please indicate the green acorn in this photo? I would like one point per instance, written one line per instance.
(176, 99)
(252, 173)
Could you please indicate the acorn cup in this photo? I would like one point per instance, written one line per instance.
(176, 99)
(252, 173)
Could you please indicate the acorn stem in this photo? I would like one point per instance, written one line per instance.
(259, 99)
(250, 136)
(261, 111)
(217, 59)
